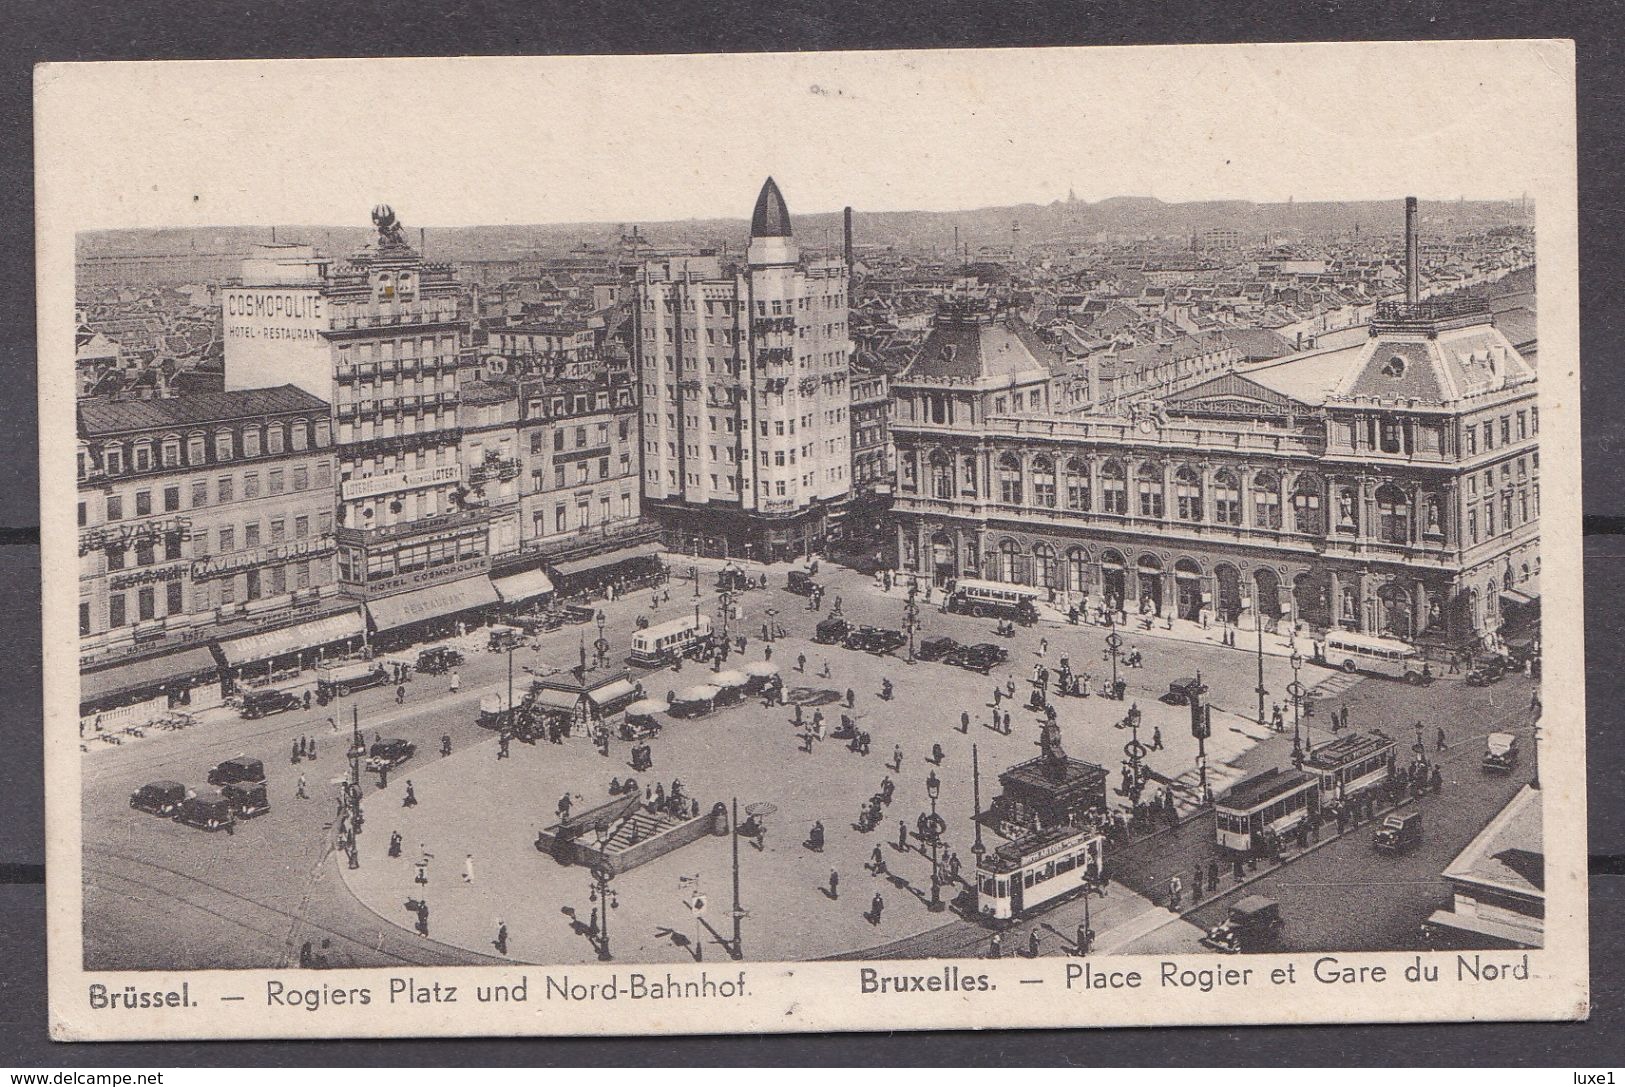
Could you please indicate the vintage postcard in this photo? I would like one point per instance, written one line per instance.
(817, 542)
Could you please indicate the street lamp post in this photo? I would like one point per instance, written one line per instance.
(1136, 752)
(1258, 627)
(1114, 646)
(977, 848)
(911, 623)
(1296, 692)
(736, 949)
(602, 893)
(933, 788)
(694, 572)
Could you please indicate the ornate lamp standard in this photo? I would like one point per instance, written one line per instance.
(978, 850)
(1136, 752)
(911, 623)
(933, 788)
(1114, 648)
(1295, 690)
(602, 893)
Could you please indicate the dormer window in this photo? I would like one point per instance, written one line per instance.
(1394, 367)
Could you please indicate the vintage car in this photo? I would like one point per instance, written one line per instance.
(501, 638)
(800, 582)
(731, 579)
(877, 640)
(1253, 925)
(258, 704)
(247, 799)
(240, 769)
(388, 754)
(577, 614)
(1179, 691)
(159, 798)
(539, 623)
(1486, 670)
(341, 680)
(1500, 753)
(1398, 833)
(936, 649)
(831, 631)
(207, 811)
(437, 660)
(982, 657)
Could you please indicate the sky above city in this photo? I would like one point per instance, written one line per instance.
(629, 139)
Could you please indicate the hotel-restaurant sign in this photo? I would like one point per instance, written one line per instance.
(367, 486)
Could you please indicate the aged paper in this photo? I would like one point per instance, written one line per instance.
(968, 539)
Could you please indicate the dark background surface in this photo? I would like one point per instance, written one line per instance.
(86, 30)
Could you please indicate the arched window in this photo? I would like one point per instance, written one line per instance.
(1012, 564)
(1077, 484)
(942, 475)
(1393, 515)
(1113, 489)
(170, 451)
(141, 458)
(1267, 500)
(1226, 498)
(1010, 490)
(1077, 570)
(1149, 487)
(1044, 485)
(1308, 514)
(1044, 565)
(1188, 493)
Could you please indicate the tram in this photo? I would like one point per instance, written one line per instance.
(1351, 765)
(665, 642)
(1270, 803)
(1038, 870)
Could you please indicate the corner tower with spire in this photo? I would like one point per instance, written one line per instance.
(747, 420)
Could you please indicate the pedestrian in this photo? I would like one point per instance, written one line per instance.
(1212, 876)
(468, 868)
(877, 862)
(294, 753)
(1043, 646)
(995, 946)
(1007, 722)
(877, 906)
(1440, 745)
(456, 682)
(1010, 686)
(823, 671)
(394, 843)
(801, 662)
(1436, 781)
(1156, 738)
(423, 918)
(1032, 942)
(310, 747)
(1175, 890)
(964, 722)
(897, 757)
(333, 723)
(307, 700)
(400, 695)
(501, 942)
(998, 693)
(902, 836)
(410, 800)
(834, 884)
(936, 755)
(1086, 937)
(767, 652)
(300, 791)
(851, 698)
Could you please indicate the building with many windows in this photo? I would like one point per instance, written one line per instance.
(379, 336)
(744, 373)
(204, 519)
(1391, 486)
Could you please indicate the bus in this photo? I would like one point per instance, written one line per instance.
(1039, 870)
(665, 642)
(1276, 801)
(1351, 765)
(1379, 656)
(983, 598)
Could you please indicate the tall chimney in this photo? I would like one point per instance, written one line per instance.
(846, 241)
(1412, 269)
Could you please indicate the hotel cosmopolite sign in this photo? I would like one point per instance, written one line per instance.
(271, 313)
(368, 486)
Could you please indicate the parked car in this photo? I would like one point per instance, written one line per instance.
(388, 754)
(240, 769)
(159, 798)
(982, 658)
(1399, 832)
(1486, 670)
(438, 660)
(1500, 753)
(501, 638)
(831, 631)
(800, 582)
(1179, 691)
(247, 799)
(936, 649)
(998, 654)
(1254, 924)
(340, 680)
(877, 640)
(257, 704)
(207, 810)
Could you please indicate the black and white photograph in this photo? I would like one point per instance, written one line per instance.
(812, 542)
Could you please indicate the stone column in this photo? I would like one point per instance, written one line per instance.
(1334, 606)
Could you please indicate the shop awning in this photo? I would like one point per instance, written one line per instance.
(432, 602)
(1517, 596)
(646, 707)
(608, 558)
(558, 701)
(274, 643)
(148, 674)
(517, 587)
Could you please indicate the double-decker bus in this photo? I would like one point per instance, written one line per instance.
(1275, 800)
(1038, 870)
(996, 598)
(1379, 656)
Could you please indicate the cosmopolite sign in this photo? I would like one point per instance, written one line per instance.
(367, 486)
(272, 314)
